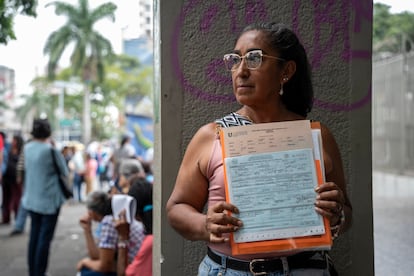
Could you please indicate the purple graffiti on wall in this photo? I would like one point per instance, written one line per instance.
(254, 10)
(324, 15)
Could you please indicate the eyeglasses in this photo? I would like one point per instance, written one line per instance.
(253, 60)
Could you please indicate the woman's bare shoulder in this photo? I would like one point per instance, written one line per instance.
(199, 149)
(206, 132)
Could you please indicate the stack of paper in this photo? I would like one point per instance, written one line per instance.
(271, 171)
(121, 202)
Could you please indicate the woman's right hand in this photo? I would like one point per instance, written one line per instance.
(122, 226)
(220, 221)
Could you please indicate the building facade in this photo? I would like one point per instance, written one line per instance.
(7, 99)
(145, 18)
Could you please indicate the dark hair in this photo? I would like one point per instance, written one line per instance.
(19, 142)
(125, 138)
(141, 190)
(41, 129)
(99, 202)
(298, 91)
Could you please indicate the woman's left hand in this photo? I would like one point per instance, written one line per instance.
(330, 201)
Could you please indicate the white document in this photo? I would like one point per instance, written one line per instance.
(121, 202)
(271, 177)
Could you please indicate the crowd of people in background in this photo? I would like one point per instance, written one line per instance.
(98, 166)
(95, 172)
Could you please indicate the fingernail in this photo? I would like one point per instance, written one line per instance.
(317, 189)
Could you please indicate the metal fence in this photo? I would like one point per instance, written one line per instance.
(392, 114)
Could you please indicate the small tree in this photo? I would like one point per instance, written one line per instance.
(392, 32)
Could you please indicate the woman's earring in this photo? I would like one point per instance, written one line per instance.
(281, 89)
(285, 79)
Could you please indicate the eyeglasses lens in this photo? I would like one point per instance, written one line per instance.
(232, 61)
(253, 60)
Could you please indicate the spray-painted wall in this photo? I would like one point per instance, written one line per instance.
(193, 89)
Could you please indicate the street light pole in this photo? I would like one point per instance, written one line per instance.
(86, 134)
(61, 111)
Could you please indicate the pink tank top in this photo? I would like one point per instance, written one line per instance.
(216, 192)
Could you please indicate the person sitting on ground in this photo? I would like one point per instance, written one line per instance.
(141, 190)
(101, 256)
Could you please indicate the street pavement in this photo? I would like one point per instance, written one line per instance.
(393, 203)
(393, 234)
(67, 248)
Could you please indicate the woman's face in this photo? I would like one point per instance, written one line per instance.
(14, 143)
(261, 85)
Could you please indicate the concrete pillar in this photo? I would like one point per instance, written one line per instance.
(193, 89)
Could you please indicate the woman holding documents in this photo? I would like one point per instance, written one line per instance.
(272, 82)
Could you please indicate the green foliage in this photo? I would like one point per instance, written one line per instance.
(392, 32)
(8, 10)
(3, 105)
(90, 47)
(108, 77)
(124, 76)
(381, 22)
(38, 103)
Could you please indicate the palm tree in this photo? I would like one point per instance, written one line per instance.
(41, 103)
(38, 104)
(90, 47)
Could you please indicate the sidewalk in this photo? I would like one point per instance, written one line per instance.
(67, 248)
(393, 204)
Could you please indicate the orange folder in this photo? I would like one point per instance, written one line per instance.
(306, 243)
